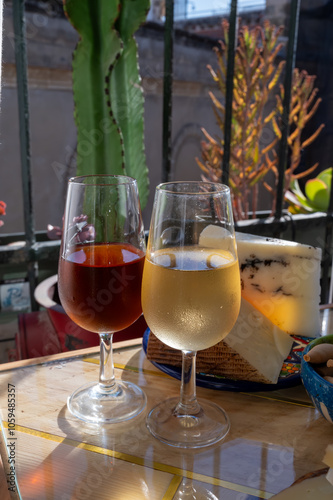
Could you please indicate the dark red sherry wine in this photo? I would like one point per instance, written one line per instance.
(100, 285)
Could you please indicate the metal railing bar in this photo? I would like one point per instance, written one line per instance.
(7, 238)
(44, 251)
(23, 110)
(229, 91)
(167, 90)
(268, 225)
(326, 288)
(289, 70)
(327, 260)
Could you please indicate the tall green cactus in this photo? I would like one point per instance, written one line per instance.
(109, 104)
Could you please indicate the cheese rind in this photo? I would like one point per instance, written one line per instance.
(216, 237)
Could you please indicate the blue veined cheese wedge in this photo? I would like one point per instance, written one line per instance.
(279, 278)
(282, 280)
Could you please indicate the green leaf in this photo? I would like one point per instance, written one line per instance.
(295, 188)
(318, 194)
(295, 206)
(326, 177)
(132, 14)
(306, 204)
(297, 195)
(99, 147)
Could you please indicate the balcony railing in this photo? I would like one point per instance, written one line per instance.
(37, 249)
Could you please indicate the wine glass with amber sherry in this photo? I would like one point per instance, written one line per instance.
(100, 273)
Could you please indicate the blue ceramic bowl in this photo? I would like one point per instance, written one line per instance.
(319, 389)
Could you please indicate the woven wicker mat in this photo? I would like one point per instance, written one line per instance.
(219, 359)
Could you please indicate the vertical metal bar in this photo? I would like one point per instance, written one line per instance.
(167, 90)
(326, 290)
(229, 90)
(290, 65)
(1, 23)
(327, 254)
(23, 109)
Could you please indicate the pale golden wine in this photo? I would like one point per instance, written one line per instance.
(191, 296)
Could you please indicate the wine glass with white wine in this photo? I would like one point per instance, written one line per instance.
(190, 298)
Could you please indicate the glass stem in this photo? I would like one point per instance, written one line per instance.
(188, 404)
(107, 381)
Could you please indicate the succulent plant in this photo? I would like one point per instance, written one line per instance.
(303, 106)
(256, 125)
(316, 196)
(109, 103)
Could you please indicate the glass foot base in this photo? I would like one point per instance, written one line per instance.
(187, 491)
(206, 427)
(92, 405)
